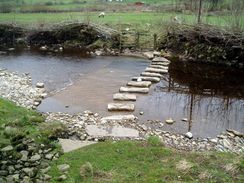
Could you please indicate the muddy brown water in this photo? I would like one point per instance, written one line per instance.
(211, 97)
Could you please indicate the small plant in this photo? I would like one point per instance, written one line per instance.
(86, 170)
(154, 141)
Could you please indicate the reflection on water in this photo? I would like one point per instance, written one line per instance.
(211, 98)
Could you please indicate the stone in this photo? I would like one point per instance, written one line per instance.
(111, 131)
(117, 118)
(151, 74)
(226, 144)
(40, 85)
(3, 172)
(189, 135)
(169, 121)
(28, 171)
(161, 71)
(160, 59)
(160, 63)
(236, 133)
(98, 52)
(156, 53)
(139, 84)
(144, 78)
(121, 107)
(24, 155)
(69, 145)
(16, 177)
(124, 97)
(63, 168)
(34, 158)
(49, 156)
(62, 178)
(43, 48)
(148, 55)
(46, 177)
(159, 67)
(134, 90)
(184, 119)
(141, 113)
(7, 148)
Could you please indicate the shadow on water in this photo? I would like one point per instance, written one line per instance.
(210, 97)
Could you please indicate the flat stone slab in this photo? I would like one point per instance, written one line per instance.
(160, 59)
(161, 63)
(147, 78)
(151, 74)
(71, 145)
(113, 131)
(117, 118)
(161, 71)
(124, 97)
(121, 107)
(159, 67)
(134, 90)
(139, 83)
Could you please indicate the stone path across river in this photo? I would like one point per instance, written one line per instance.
(140, 84)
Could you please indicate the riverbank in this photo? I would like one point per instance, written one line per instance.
(40, 135)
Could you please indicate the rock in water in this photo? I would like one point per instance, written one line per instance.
(189, 135)
(124, 97)
(139, 83)
(134, 90)
(121, 107)
(40, 85)
(169, 121)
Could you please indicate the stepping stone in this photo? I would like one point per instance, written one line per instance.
(161, 71)
(117, 118)
(144, 78)
(134, 90)
(149, 55)
(121, 107)
(160, 59)
(160, 63)
(151, 74)
(71, 145)
(159, 67)
(111, 131)
(124, 97)
(139, 83)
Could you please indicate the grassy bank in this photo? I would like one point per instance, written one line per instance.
(17, 123)
(128, 161)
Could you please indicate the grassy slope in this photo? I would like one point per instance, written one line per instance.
(149, 162)
(17, 121)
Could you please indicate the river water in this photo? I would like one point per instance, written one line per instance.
(210, 97)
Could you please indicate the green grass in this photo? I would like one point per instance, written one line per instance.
(130, 161)
(18, 122)
(137, 20)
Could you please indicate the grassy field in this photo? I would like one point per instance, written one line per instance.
(140, 20)
(149, 162)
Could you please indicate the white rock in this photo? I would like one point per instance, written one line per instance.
(40, 85)
(151, 74)
(161, 71)
(117, 118)
(189, 135)
(169, 121)
(160, 59)
(149, 55)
